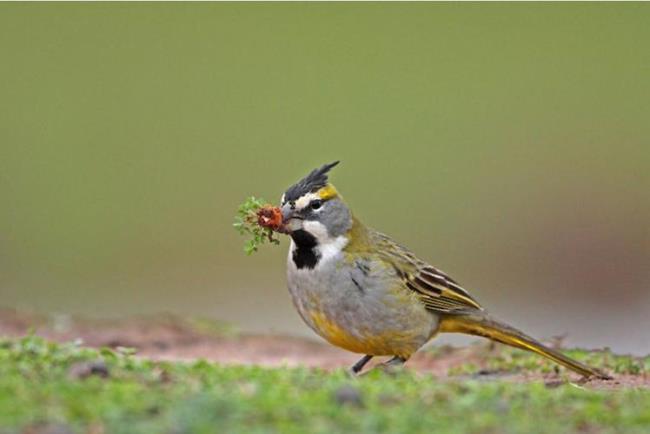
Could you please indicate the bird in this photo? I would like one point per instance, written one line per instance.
(362, 291)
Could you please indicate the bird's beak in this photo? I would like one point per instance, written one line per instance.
(290, 222)
(287, 213)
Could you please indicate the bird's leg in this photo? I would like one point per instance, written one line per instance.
(396, 361)
(393, 365)
(357, 367)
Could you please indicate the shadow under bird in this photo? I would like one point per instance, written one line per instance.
(363, 292)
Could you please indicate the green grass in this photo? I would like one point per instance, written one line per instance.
(45, 385)
(496, 358)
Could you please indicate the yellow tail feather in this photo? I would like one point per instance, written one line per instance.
(480, 324)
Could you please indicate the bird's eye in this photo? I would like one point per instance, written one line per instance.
(315, 204)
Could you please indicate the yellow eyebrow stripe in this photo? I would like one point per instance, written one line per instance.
(327, 192)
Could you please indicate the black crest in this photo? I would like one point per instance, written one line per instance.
(316, 180)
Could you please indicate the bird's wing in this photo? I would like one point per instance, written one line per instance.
(435, 289)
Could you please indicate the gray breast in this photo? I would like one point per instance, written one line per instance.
(362, 298)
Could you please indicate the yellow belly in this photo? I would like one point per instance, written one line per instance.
(402, 343)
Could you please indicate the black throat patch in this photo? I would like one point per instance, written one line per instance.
(305, 254)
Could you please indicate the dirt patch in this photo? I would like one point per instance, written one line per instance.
(167, 337)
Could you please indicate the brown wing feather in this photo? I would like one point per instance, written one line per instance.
(437, 291)
(442, 293)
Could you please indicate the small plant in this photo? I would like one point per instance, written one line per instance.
(260, 220)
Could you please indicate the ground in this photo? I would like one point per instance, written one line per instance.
(164, 374)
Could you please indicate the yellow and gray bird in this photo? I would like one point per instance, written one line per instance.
(363, 292)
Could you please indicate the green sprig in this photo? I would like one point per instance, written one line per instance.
(246, 224)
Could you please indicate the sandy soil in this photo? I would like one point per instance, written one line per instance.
(166, 337)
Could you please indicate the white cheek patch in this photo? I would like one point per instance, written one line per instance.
(318, 230)
(328, 247)
(326, 252)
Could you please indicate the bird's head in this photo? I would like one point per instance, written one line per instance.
(313, 211)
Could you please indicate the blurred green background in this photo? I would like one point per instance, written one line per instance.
(505, 143)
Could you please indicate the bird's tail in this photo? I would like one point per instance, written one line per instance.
(481, 324)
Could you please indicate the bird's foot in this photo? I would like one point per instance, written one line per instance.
(393, 366)
(355, 369)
